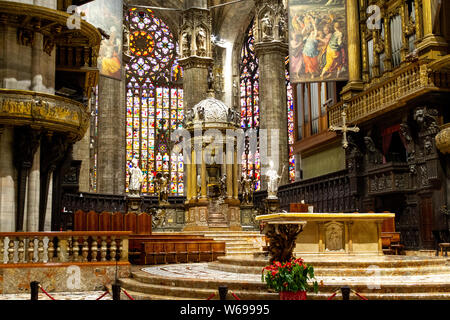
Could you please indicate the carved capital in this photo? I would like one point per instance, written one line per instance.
(195, 33)
(271, 21)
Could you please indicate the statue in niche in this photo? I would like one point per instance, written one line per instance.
(186, 44)
(235, 94)
(190, 115)
(230, 116)
(266, 26)
(223, 186)
(373, 154)
(200, 41)
(274, 180)
(282, 29)
(248, 186)
(428, 145)
(426, 119)
(210, 78)
(334, 237)
(201, 113)
(136, 178)
(199, 186)
(162, 187)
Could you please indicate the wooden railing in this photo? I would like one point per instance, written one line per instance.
(62, 247)
(108, 202)
(327, 193)
(404, 84)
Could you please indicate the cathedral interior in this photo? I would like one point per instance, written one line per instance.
(146, 141)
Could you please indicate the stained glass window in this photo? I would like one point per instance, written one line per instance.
(291, 123)
(154, 100)
(249, 86)
(93, 145)
(249, 96)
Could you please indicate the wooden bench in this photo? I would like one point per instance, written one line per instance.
(444, 246)
(180, 251)
(390, 239)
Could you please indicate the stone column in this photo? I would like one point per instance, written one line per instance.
(193, 176)
(236, 175)
(229, 166)
(111, 137)
(8, 177)
(354, 51)
(271, 49)
(32, 198)
(195, 51)
(203, 176)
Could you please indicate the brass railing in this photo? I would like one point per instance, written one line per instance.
(404, 84)
(62, 247)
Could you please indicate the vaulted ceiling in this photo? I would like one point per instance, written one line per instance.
(229, 22)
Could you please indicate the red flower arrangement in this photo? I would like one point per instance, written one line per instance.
(292, 276)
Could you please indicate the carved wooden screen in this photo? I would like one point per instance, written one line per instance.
(154, 100)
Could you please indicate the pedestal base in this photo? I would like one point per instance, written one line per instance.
(213, 215)
(248, 214)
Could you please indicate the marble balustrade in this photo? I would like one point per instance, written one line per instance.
(62, 247)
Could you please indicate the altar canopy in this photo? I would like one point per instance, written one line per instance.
(318, 41)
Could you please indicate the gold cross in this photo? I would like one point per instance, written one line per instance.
(344, 128)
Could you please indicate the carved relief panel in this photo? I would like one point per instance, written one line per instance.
(334, 236)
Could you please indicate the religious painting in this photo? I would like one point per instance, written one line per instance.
(107, 15)
(318, 41)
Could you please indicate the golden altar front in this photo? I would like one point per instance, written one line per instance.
(335, 233)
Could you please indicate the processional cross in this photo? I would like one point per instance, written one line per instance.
(344, 128)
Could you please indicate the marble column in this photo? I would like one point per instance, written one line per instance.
(32, 196)
(204, 177)
(271, 49)
(111, 137)
(193, 176)
(8, 176)
(355, 83)
(236, 176)
(230, 178)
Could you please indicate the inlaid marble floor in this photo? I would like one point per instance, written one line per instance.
(91, 295)
(200, 271)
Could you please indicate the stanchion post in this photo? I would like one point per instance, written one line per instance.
(223, 291)
(345, 290)
(34, 288)
(116, 291)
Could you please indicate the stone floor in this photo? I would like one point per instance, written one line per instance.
(201, 271)
(89, 295)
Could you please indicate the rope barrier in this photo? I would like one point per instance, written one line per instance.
(99, 298)
(211, 296)
(359, 295)
(45, 292)
(234, 296)
(126, 293)
(333, 295)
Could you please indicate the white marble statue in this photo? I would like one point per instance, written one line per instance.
(136, 178)
(274, 180)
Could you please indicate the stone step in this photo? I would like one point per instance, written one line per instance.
(354, 262)
(132, 285)
(319, 271)
(147, 296)
(247, 282)
(310, 296)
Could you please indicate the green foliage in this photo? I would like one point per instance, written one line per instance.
(292, 276)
